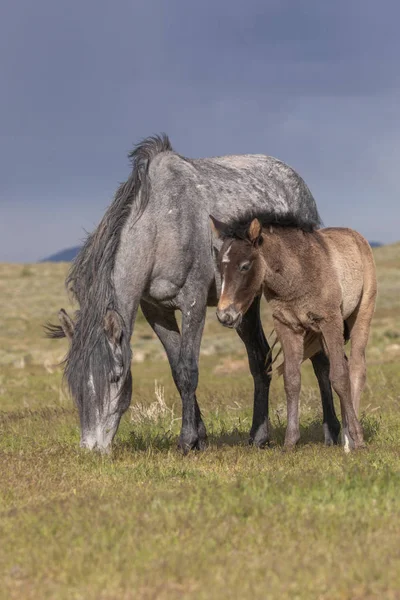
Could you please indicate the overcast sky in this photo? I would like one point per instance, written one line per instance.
(312, 82)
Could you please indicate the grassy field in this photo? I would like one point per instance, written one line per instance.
(232, 522)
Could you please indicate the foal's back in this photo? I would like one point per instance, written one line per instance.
(352, 259)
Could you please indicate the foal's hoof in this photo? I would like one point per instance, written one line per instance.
(352, 443)
(289, 448)
(361, 447)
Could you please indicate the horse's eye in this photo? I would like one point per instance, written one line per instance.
(245, 266)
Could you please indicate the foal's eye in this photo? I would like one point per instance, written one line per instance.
(245, 266)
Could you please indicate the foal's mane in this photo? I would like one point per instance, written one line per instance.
(90, 278)
(238, 228)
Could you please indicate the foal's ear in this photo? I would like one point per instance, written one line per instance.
(113, 326)
(67, 323)
(255, 232)
(218, 228)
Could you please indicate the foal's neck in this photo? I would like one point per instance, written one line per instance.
(282, 250)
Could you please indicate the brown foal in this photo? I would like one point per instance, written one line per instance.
(315, 281)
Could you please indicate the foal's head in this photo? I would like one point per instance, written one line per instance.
(240, 263)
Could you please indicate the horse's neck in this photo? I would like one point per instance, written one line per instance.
(132, 268)
(282, 278)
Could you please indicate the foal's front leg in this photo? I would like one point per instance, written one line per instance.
(292, 346)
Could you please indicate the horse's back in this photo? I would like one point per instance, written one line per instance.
(353, 261)
(231, 185)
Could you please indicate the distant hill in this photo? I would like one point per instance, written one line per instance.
(63, 256)
(375, 244)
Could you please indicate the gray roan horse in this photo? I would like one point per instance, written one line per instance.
(154, 248)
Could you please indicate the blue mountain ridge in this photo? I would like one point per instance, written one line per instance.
(66, 255)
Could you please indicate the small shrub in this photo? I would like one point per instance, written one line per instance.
(26, 271)
(392, 335)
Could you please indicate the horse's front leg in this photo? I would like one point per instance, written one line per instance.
(251, 333)
(187, 375)
(331, 425)
(164, 324)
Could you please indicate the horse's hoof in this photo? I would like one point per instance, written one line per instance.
(263, 443)
(190, 441)
(185, 448)
(202, 444)
(202, 432)
(260, 438)
(331, 437)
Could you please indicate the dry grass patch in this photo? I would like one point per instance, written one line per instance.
(232, 522)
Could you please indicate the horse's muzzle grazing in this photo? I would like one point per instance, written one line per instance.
(229, 317)
(98, 441)
(99, 436)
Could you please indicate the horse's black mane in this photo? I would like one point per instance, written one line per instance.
(238, 228)
(101, 246)
(90, 278)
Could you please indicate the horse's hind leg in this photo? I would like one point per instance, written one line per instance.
(251, 333)
(164, 324)
(332, 333)
(331, 423)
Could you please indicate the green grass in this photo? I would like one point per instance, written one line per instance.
(232, 522)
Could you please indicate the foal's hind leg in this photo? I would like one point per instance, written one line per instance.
(359, 334)
(331, 424)
(164, 324)
(251, 333)
(332, 333)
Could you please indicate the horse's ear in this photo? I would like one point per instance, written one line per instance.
(255, 232)
(113, 326)
(67, 323)
(218, 228)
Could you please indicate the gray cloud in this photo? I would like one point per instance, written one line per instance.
(313, 83)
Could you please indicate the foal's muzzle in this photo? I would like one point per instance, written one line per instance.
(229, 317)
